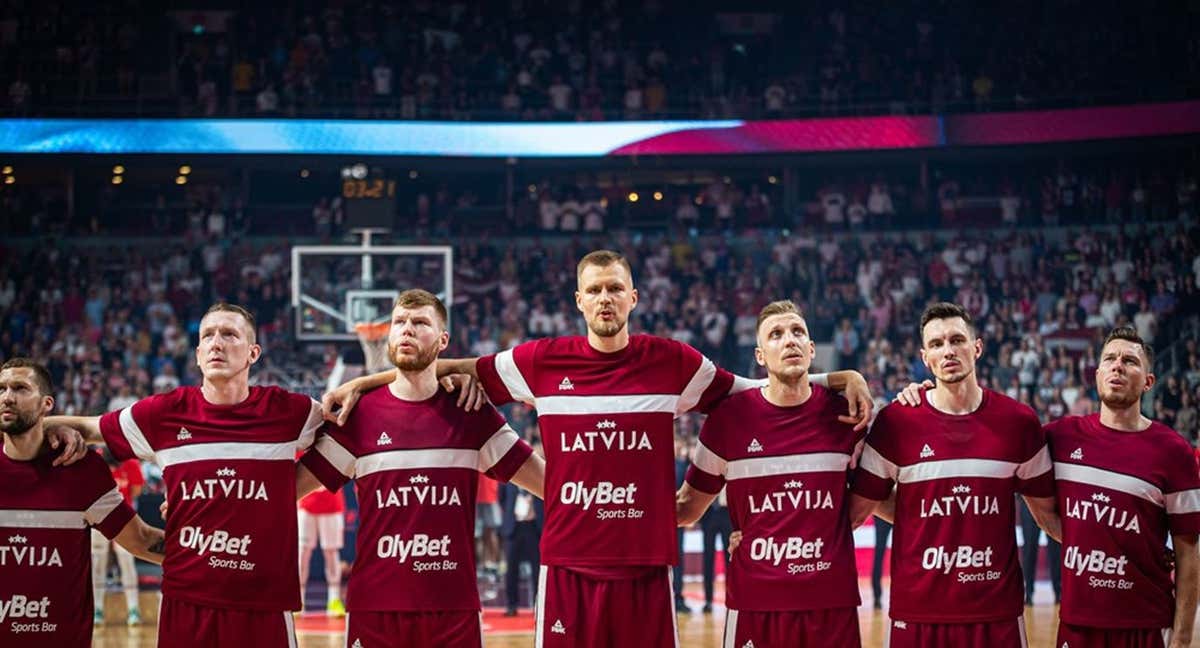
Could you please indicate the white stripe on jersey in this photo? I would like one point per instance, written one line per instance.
(133, 434)
(950, 468)
(103, 506)
(539, 616)
(731, 623)
(289, 627)
(1185, 501)
(315, 420)
(708, 461)
(28, 519)
(416, 459)
(336, 454)
(1037, 465)
(696, 386)
(1092, 476)
(227, 450)
(786, 464)
(627, 404)
(496, 447)
(506, 366)
(876, 464)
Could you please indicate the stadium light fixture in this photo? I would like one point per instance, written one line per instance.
(185, 169)
(658, 195)
(117, 179)
(10, 179)
(118, 170)
(633, 197)
(303, 173)
(7, 170)
(412, 175)
(180, 180)
(772, 179)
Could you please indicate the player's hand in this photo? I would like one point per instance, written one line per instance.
(913, 394)
(162, 510)
(70, 440)
(471, 396)
(862, 405)
(858, 449)
(337, 404)
(735, 539)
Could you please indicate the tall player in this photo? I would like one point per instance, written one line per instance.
(1124, 484)
(785, 458)
(227, 451)
(606, 404)
(956, 462)
(45, 515)
(415, 457)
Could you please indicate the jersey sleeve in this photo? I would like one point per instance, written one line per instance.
(313, 419)
(107, 511)
(506, 375)
(709, 465)
(501, 451)
(328, 459)
(877, 469)
(1181, 492)
(704, 384)
(131, 432)
(1035, 475)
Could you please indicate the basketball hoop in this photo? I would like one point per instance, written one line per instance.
(373, 338)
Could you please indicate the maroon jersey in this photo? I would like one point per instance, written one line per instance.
(415, 467)
(231, 489)
(1120, 494)
(954, 551)
(607, 423)
(786, 470)
(45, 547)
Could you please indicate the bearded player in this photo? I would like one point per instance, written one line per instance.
(784, 457)
(606, 404)
(1125, 483)
(45, 515)
(415, 457)
(956, 462)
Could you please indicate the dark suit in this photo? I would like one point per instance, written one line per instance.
(716, 522)
(520, 543)
(681, 466)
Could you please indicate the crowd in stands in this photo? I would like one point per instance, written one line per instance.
(532, 59)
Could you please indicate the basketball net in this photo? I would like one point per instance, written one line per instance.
(373, 338)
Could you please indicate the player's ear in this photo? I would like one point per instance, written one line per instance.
(759, 357)
(633, 297)
(579, 301)
(1150, 380)
(978, 348)
(255, 353)
(443, 340)
(47, 405)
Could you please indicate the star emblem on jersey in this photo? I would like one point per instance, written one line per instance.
(793, 484)
(183, 435)
(565, 385)
(226, 472)
(18, 539)
(384, 439)
(754, 446)
(1078, 454)
(926, 452)
(1100, 497)
(558, 627)
(418, 479)
(961, 489)
(606, 425)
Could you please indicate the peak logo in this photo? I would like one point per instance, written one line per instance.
(603, 493)
(1078, 454)
(418, 546)
(183, 435)
(754, 446)
(21, 607)
(566, 385)
(384, 439)
(926, 452)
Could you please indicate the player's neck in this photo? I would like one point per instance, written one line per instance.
(610, 344)
(415, 385)
(225, 392)
(25, 447)
(782, 394)
(1126, 419)
(962, 397)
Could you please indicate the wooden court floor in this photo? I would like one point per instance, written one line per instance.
(695, 630)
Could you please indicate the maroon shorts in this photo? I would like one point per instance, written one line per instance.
(794, 629)
(575, 610)
(993, 634)
(452, 629)
(1074, 636)
(183, 625)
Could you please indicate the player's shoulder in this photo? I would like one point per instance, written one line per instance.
(1011, 409)
(1065, 425)
(832, 403)
(277, 394)
(486, 419)
(178, 399)
(1165, 437)
(91, 468)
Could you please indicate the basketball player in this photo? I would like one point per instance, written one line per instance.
(45, 515)
(321, 519)
(129, 479)
(606, 404)
(227, 452)
(1124, 484)
(785, 458)
(415, 458)
(956, 462)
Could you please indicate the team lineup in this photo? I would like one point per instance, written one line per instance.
(944, 464)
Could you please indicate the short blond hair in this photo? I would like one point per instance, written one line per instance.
(603, 259)
(781, 307)
(226, 307)
(418, 298)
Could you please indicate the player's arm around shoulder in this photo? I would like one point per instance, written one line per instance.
(532, 475)
(142, 540)
(872, 491)
(72, 434)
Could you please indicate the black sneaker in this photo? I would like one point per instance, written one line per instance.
(708, 608)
